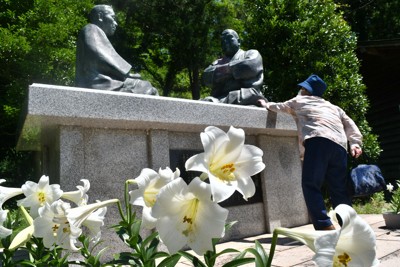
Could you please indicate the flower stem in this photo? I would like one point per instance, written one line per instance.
(272, 248)
(121, 213)
(127, 204)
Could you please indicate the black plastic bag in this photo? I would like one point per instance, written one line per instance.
(365, 180)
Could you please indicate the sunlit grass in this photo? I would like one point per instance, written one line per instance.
(374, 204)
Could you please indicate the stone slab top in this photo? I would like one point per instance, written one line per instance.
(50, 106)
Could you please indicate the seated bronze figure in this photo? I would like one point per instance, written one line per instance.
(98, 65)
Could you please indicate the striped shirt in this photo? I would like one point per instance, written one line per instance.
(316, 117)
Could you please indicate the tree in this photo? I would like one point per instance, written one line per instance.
(175, 37)
(372, 19)
(37, 45)
(172, 41)
(300, 37)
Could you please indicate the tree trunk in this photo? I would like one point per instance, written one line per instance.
(169, 80)
(195, 83)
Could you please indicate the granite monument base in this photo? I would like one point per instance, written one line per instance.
(109, 137)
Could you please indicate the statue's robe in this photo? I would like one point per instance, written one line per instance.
(239, 81)
(99, 66)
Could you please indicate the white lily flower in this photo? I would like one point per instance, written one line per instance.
(228, 162)
(8, 192)
(4, 232)
(25, 235)
(60, 225)
(53, 226)
(94, 223)
(187, 215)
(37, 194)
(354, 244)
(149, 184)
(389, 187)
(87, 215)
(79, 197)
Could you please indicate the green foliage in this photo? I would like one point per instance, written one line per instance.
(260, 259)
(144, 250)
(210, 257)
(16, 168)
(296, 38)
(91, 259)
(184, 40)
(41, 256)
(37, 45)
(301, 37)
(14, 221)
(372, 20)
(371, 205)
(394, 203)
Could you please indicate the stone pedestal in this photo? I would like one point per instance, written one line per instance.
(109, 137)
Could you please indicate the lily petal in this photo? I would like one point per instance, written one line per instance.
(221, 191)
(250, 161)
(196, 163)
(246, 188)
(76, 216)
(357, 239)
(325, 246)
(7, 193)
(79, 197)
(212, 138)
(148, 221)
(228, 162)
(37, 194)
(94, 223)
(149, 184)
(44, 226)
(307, 237)
(186, 215)
(353, 245)
(4, 232)
(25, 235)
(22, 237)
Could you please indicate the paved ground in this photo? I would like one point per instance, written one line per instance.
(290, 253)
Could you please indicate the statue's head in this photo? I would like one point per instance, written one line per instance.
(104, 17)
(230, 42)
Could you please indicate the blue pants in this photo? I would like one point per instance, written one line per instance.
(324, 161)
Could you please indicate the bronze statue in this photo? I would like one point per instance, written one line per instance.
(98, 65)
(237, 78)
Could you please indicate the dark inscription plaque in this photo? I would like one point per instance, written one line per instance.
(178, 158)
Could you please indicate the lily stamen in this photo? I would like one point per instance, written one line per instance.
(344, 259)
(190, 216)
(225, 172)
(41, 197)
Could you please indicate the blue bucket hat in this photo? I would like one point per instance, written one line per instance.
(315, 85)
